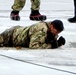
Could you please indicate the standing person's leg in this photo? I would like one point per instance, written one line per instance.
(35, 15)
(75, 7)
(74, 18)
(17, 7)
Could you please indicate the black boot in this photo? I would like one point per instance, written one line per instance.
(72, 20)
(35, 15)
(15, 15)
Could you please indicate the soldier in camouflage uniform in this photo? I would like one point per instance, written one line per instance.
(40, 35)
(35, 6)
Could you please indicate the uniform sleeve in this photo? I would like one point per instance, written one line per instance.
(37, 41)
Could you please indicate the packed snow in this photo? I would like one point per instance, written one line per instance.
(61, 61)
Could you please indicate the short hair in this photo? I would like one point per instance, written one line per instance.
(58, 24)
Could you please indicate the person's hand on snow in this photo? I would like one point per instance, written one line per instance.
(61, 41)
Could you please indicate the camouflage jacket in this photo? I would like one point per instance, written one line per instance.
(35, 36)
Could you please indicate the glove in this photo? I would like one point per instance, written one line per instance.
(61, 41)
(54, 44)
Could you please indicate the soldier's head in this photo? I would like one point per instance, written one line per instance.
(56, 27)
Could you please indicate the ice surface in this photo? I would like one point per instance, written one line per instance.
(63, 58)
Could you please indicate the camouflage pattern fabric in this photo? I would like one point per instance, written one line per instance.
(19, 4)
(33, 37)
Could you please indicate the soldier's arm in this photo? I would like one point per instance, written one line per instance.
(37, 40)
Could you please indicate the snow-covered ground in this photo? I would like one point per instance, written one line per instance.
(61, 61)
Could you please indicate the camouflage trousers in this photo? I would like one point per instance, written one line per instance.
(6, 36)
(19, 4)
